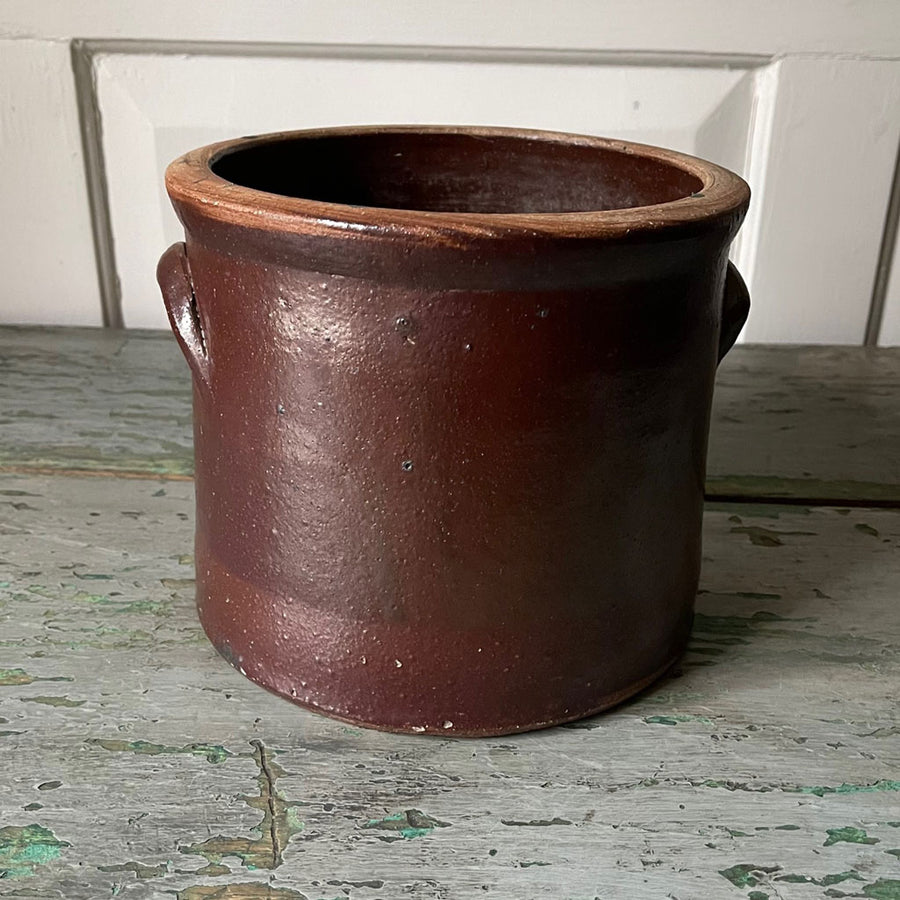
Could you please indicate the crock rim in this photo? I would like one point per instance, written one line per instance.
(191, 181)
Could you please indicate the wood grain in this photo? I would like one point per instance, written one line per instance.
(807, 423)
(138, 764)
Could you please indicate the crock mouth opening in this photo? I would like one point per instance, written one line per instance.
(486, 173)
(454, 186)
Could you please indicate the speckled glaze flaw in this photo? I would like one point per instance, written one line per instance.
(451, 402)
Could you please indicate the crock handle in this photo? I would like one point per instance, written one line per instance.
(735, 307)
(174, 276)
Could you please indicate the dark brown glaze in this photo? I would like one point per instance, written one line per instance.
(450, 459)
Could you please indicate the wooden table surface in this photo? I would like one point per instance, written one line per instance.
(136, 763)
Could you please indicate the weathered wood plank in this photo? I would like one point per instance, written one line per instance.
(137, 764)
(94, 400)
(807, 422)
(821, 423)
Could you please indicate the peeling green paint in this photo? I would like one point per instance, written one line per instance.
(822, 790)
(883, 889)
(748, 874)
(214, 753)
(55, 701)
(213, 869)
(766, 537)
(675, 720)
(116, 605)
(886, 731)
(255, 890)
(12, 677)
(139, 869)
(704, 624)
(757, 895)
(412, 823)
(740, 595)
(867, 529)
(541, 823)
(23, 849)
(817, 790)
(279, 824)
(824, 881)
(178, 584)
(848, 835)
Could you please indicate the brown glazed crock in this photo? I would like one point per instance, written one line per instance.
(451, 401)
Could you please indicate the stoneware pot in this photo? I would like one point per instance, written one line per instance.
(451, 400)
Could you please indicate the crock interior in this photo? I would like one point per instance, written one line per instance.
(452, 172)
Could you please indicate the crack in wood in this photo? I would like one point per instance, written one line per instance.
(279, 823)
(270, 794)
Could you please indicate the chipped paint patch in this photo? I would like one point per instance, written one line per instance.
(704, 624)
(12, 677)
(55, 701)
(279, 823)
(540, 823)
(675, 720)
(848, 835)
(883, 889)
(886, 731)
(114, 604)
(23, 849)
(213, 869)
(248, 891)
(412, 823)
(178, 584)
(822, 790)
(748, 874)
(824, 881)
(139, 869)
(214, 753)
(766, 537)
(740, 595)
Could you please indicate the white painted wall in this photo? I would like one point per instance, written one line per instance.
(802, 98)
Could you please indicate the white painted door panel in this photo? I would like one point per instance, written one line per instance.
(795, 128)
(822, 164)
(889, 334)
(156, 107)
(46, 245)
